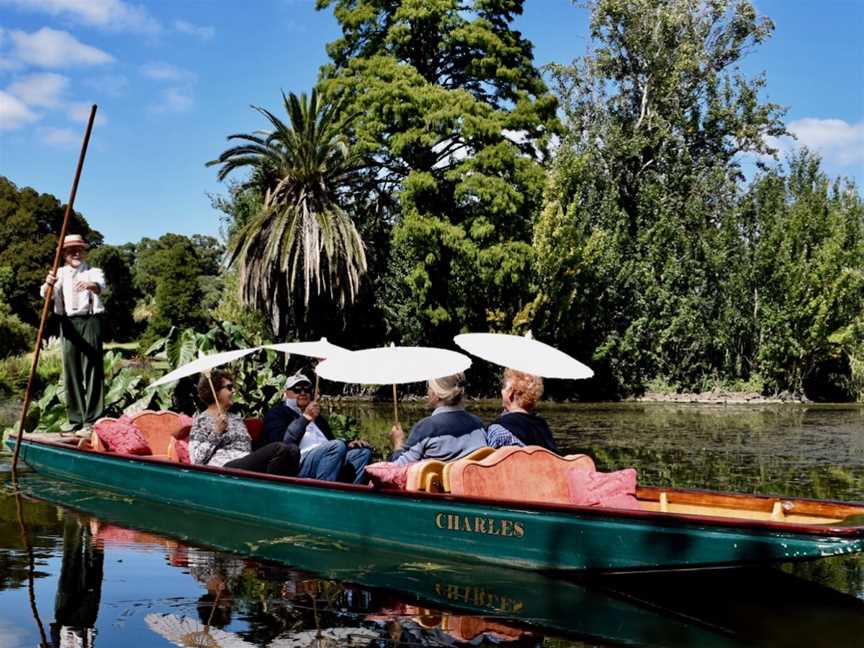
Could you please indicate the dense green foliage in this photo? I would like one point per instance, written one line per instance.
(432, 184)
(178, 295)
(29, 226)
(454, 118)
(648, 254)
(634, 243)
(802, 279)
(120, 295)
(15, 335)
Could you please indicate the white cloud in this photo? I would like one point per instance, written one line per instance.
(80, 112)
(837, 141)
(58, 136)
(113, 15)
(55, 49)
(166, 72)
(43, 90)
(173, 100)
(114, 85)
(14, 113)
(204, 32)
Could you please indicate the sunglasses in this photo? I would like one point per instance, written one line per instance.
(302, 389)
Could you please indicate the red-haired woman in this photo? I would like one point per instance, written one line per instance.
(519, 395)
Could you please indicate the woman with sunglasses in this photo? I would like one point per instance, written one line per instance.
(219, 438)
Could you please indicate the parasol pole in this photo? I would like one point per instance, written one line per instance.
(395, 406)
(49, 293)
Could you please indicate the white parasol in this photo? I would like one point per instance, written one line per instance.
(523, 354)
(313, 349)
(191, 633)
(203, 365)
(393, 366)
(326, 638)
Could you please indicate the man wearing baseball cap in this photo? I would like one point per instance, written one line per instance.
(77, 303)
(298, 420)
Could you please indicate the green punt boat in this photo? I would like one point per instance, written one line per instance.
(676, 529)
(720, 608)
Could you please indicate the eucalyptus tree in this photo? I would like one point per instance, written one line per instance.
(639, 229)
(300, 240)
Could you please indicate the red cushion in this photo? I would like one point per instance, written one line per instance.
(185, 423)
(122, 437)
(612, 490)
(181, 447)
(388, 475)
(254, 427)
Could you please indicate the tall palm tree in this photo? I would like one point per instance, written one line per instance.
(305, 171)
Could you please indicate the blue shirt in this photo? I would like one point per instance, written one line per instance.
(450, 420)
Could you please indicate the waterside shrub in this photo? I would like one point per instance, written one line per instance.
(14, 370)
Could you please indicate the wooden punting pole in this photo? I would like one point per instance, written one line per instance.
(49, 294)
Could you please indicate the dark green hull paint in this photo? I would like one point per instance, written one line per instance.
(707, 608)
(554, 538)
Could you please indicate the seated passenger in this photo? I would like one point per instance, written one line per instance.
(218, 438)
(449, 433)
(298, 420)
(518, 422)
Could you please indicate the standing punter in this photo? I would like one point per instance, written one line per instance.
(77, 288)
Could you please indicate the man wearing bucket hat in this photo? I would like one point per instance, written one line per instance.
(298, 420)
(77, 302)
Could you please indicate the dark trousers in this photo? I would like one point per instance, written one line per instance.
(83, 371)
(79, 588)
(276, 458)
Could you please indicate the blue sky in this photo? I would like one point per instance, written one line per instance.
(173, 78)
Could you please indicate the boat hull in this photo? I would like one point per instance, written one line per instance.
(512, 534)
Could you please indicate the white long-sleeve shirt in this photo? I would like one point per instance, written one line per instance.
(68, 300)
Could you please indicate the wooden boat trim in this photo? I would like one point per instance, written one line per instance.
(742, 501)
(649, 492)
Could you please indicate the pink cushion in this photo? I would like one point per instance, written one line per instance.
(181, 447)
(388, 475)
(612, 490)
(121, 436)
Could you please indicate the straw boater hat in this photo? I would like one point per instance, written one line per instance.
(74, 241)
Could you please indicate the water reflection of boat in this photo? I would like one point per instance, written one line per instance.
(685, 609)
(675, 529)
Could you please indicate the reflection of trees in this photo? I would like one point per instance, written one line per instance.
(275, 600)
(44, 530)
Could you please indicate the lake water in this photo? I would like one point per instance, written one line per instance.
(111, 571)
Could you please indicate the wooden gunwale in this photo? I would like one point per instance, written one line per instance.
(670, 518)
(743, 501)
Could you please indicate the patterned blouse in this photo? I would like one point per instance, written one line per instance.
(212, 449)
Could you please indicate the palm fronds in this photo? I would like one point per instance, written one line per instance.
(305, 170)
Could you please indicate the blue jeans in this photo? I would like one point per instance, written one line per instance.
(327, 460)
